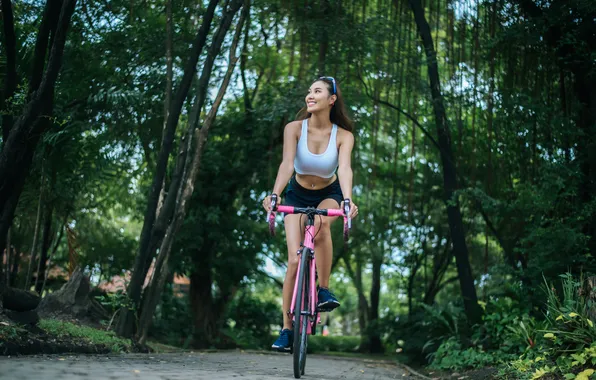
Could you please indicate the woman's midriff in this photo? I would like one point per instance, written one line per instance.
(313, 182)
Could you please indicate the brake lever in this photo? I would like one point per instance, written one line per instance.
(347, 212)
(273, 207)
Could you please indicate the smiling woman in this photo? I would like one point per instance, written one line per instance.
(318, 148)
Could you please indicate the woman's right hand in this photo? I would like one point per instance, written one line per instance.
(267, 203)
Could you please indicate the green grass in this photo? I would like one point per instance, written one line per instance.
(9, 332)
(161, 348)
(88, 334)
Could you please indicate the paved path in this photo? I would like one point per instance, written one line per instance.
(195, 366)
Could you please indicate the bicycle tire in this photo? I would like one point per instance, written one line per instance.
(305, 319)
(298, 317)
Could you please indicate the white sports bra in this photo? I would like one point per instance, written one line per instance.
(322, 165)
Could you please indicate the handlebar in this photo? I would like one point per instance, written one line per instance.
(309, 210)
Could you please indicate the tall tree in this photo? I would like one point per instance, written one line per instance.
(466, 280)
(191, 166)
(126, 320)
(19, 146)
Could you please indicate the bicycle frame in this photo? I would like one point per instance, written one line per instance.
(309, 233)
(305, 317)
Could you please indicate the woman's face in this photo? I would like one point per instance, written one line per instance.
(319, 98)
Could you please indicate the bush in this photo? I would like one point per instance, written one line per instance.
(249, 321)
(320, 344)
(566, 345)
(172, 321)
(414, 338)
(506, 331)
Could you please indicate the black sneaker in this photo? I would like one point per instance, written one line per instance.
(284, 342)
(327, 300)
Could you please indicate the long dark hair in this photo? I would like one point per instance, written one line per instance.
(338, 114)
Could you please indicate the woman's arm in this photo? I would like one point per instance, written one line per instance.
(344, 171)
(286, 168)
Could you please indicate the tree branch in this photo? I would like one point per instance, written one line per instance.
(412, 118)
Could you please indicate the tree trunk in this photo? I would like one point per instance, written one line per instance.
(374, 332)
(125, 325)
(17, 151)
(49, 265)
(34, 244)
(192, 167)
(205, 330)
(362, 302)
(490, 98)
(46, 242)
(473, 310)
(10, 76)
(324, 35)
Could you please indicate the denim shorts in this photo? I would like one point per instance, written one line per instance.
(299, 196)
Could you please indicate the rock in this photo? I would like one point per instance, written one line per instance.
(29, 317)
(20, 300)
(72, 300)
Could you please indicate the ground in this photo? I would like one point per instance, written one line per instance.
(196, 366)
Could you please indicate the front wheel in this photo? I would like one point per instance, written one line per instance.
(301, 320)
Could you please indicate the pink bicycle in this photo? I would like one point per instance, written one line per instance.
(303, 309)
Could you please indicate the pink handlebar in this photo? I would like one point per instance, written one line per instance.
(291, 210)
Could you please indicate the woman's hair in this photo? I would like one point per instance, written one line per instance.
(338, 114)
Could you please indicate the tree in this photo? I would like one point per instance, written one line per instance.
(464, 270)
(20, 139)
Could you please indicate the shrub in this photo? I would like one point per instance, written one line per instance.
(505, 332)
(566, 344)
(172, 321)
(321, 344)
(249, 321)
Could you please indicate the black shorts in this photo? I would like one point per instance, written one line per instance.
(299, 196)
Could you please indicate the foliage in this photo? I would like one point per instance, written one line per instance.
(249, 320)
(562, 343)
(172, 323)
(322, 344)
(517, 121)
(85, 333)
(506, 330)
(567, 346)
(10, 332)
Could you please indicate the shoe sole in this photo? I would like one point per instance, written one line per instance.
(327, 306)
(281, 349)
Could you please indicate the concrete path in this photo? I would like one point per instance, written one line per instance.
(195, 366)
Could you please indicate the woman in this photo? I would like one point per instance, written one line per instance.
(315, 146)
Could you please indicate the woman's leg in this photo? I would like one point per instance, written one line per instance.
(294, 235)
(323, 243)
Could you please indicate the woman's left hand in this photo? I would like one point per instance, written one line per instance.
(353, 209)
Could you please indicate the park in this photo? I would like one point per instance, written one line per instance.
(171, 169)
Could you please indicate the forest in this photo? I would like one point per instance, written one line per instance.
(140, 137)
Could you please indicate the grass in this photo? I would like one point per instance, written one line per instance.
(88, 334)
(9, 332)
(161, 348)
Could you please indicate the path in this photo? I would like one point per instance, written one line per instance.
(195, 366)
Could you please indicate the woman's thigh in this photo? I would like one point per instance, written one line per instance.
(294, 233)
(326, 221)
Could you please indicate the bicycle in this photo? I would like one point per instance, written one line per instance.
(304, 314)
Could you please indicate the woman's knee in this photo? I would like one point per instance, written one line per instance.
(323, 229)
(293, 261)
